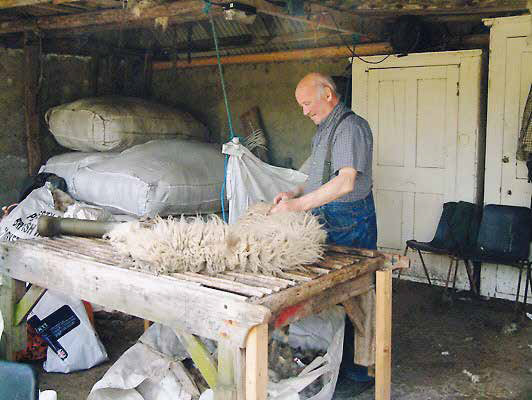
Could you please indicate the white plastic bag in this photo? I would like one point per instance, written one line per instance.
(21, 222)
(323, 331)
(72, 342)
(250, 180)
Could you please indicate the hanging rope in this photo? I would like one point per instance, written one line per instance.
(226, 101)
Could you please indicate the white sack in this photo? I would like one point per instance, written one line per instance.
(65, 319)
(159, 177)
(21, 222)
(67, 165)
(116, 123)
(144, 371)
(250, 180)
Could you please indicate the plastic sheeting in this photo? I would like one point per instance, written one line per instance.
(250, 180)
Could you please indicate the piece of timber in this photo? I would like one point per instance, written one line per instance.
(291, 55)
(198, 310)
(355, 313)
(28, 301)
(257, 362)
(31, 102)
(383, 356)
(223, 284)
(14, 337)
(24, 3)
(297, 294)
(115, 17)
(325, 299)
(200, 355)
(225, 386)
(365, 343)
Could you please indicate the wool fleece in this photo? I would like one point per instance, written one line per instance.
(258, 242)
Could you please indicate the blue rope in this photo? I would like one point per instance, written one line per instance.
(226, 101)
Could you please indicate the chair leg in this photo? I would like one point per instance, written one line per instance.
(526, 284)
(424, 267)
(472, 283)
(449, 274)
(516, 306)
(400, 269)
(455, 273)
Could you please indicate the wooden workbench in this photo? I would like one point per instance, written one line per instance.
(236, 309)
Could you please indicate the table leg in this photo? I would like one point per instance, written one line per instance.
(257, 363)
(383, 357)
(14, 337)
(225, 387)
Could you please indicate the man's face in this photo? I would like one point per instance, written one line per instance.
(314, 102)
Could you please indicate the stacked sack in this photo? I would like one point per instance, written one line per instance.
(136, 157)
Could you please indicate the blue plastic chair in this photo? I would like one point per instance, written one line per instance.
(18, 381)
(504, 238)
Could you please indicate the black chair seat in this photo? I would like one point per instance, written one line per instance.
(426, 246)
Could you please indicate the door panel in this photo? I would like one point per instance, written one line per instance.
(412, 112)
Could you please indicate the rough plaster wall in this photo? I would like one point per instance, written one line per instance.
(270, 86)
(64, 79)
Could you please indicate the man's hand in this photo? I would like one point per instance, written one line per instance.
(286, 205)
(283, 196)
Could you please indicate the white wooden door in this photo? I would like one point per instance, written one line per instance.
(413, 111)
(510, 75)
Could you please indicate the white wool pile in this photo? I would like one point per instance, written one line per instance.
(258, 242)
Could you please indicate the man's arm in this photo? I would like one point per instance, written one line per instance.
(298, 190)
(337, 187)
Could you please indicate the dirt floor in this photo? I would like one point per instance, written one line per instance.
(467, 349)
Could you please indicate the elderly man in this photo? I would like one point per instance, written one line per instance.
(339, 186)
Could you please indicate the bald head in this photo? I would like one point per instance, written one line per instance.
(316, 94)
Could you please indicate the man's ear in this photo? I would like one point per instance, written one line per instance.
(328, 93)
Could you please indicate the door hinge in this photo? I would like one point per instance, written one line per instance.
(458, 88)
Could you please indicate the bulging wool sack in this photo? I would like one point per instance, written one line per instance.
(116, 123)
(159, 177)
(66, 165)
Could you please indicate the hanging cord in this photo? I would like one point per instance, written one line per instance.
(226, 101)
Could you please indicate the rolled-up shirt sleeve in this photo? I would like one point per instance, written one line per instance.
(352, 146)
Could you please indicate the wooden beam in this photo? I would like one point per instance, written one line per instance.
(383, 333)
(25, 3)
(31, 112)
(121, 17)
(438, 7)
(306, 54)
(14, 337)
(28, 301)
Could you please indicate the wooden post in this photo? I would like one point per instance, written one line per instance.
(14, 337)
(257, 362)
(383, 357)
(225, 387)
(148, 73)
(31, 89)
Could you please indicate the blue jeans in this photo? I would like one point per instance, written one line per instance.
(350, 223)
